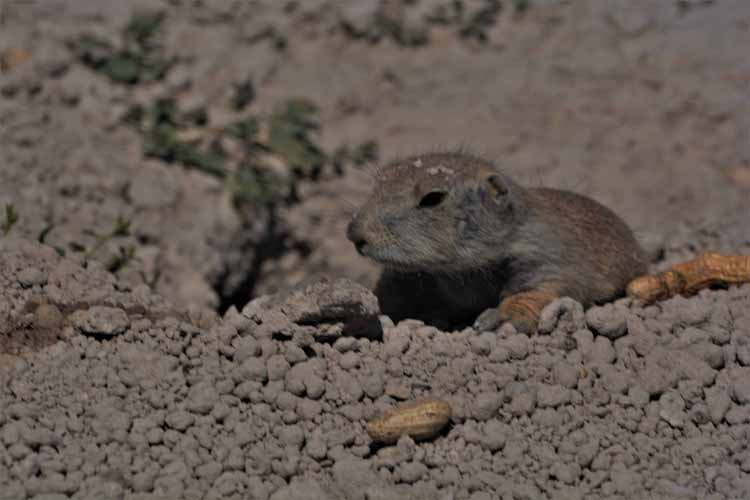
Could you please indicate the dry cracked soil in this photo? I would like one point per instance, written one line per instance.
(181, 316)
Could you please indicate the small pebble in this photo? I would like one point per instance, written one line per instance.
(202, 398)
(602, 352)
(345, 344)
(486, 405)
(741, 386)
(100, 320)
(412, 472)
(32, 276)
(518, 346)
(552, 396)
(276, 367)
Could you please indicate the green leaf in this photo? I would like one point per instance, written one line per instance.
(136, 60)
(44, 233)
(143, 26)
(289, 136)
(482, 21)
(164, 111)
(211, 163)
(243, 130)
(118, 262)
(253, 185)
(122, 227)
(11, 217)
(123, 67)
(161, 142)
(91, 50)
(364, 153)
(154, 68)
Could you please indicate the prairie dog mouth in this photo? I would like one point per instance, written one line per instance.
(390, 261)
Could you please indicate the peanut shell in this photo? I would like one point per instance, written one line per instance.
(420, 419)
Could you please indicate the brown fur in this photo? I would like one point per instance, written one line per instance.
(457, 236)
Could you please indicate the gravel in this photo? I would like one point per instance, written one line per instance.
(131, 402)
(127, 388)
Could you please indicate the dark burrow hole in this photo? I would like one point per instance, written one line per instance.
(275, 242)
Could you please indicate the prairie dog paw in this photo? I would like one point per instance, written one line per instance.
(489, 320)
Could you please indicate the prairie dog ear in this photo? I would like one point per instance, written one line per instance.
(496, 186)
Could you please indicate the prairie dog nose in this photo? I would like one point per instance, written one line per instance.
(356, 235)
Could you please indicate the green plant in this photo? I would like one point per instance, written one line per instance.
(153, 280)
(143, 27)
(365, 153)
(383, 26)
(11, 217)
(125, 255)
(290, 136)
(481, 21)
(255, 185)
(120, 229)
(138, 58)
(160, 126)
(362, 154)
(244, 130)
(472, 24)
(447, 14)
(117, 262)
(42, 236)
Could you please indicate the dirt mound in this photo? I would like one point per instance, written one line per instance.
(41, 294)
(136, 401)
(133, 204)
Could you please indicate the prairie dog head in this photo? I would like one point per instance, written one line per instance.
(438, 212)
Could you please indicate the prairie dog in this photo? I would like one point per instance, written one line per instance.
(460, 241)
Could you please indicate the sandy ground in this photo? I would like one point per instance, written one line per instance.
(128, 384)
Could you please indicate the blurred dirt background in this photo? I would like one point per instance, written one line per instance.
(210, 152)
(643, 105)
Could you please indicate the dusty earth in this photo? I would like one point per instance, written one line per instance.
(140, 357)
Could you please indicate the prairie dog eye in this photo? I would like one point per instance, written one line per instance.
(432, 199)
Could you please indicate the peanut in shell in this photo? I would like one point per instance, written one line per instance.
(421, 419)
(692, 276)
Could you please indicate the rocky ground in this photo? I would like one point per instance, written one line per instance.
(163, 169)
